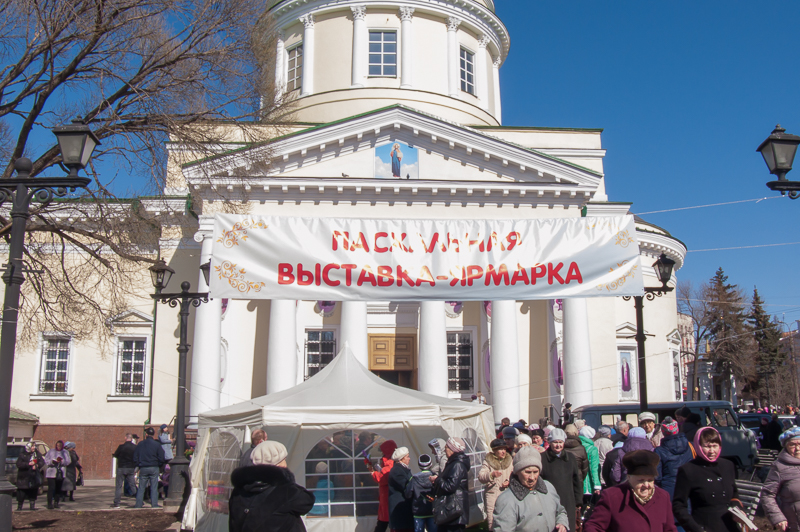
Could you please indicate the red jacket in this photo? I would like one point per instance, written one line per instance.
(619, 511)
(382, 478)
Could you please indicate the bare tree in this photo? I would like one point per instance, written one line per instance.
(141, 73)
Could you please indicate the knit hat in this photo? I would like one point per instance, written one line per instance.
(399, 453)
(604, 431)
(557, 435)
(527, 457)
(497, 443)
(524, 438)
(269, 452)
(641, 462)
(587, 432)
(510, 432)
(571, 430)
(790, 434)
(669, 426)
(637, 432)
(456, 445)
(647, 416)
(321, 468)
(387, 448)
(424, 461)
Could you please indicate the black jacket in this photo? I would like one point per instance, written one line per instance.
(266, 498)
(709, 487)
(29, 477)
(400, 513)
(562, 472)
(418, 491)
(124, 455)
(611, 459)
(454, 480)
(149, 453)
(246, 459)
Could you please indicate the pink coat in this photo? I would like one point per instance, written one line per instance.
(619, 511)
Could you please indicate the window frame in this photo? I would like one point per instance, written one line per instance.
(287, 70)
(384, 53)
(118, 366)
(473, 334)
(462, 72)
(334, 330)
(44, 343)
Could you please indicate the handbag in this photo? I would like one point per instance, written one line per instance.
(59, 473)
(447, 508)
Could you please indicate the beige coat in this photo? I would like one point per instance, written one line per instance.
(493, 485)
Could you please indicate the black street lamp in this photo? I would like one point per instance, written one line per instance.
(20, 191)
(161, 274)
(663, 267)
(778, 151)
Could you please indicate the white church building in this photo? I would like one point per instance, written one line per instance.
(396, 115)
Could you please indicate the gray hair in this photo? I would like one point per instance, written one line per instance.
(622, 424)
(128, 436)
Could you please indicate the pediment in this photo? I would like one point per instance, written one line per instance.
(131, 318)
(348, 148)
(627, 331)
(674, 336)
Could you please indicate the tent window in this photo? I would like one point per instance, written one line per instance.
(476, 452)
(459, 362)
(320, 350)
(338, 476)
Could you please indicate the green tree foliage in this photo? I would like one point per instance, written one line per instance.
(732, 347)
(766, 335)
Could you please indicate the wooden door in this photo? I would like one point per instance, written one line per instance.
(392, 352)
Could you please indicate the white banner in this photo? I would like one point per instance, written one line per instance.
(272, 257)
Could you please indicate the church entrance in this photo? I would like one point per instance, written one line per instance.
(393, 358)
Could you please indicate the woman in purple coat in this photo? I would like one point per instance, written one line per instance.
(783, 482)
(637, 441)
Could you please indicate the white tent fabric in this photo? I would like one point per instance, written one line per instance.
(345, 396)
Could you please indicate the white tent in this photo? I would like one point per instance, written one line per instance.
(335, 417)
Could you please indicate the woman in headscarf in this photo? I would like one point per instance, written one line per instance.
(494, 475)
(56, 460)
(784, 481)
(401, 516)
(709, 485)
(453, 481)
(71, 472)
(29, 467)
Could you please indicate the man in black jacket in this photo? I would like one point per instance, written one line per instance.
(126, 468)
(149, 457)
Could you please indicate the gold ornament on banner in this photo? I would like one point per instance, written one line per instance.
(236, 277)
(231, 238)
(614, 285)
(623, 239)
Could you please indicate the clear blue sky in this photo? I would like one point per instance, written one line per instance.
(686, 91)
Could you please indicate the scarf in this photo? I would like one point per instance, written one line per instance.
(642, 501)
(699, 449)
(520, 491)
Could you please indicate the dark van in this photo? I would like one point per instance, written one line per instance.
(738, 443)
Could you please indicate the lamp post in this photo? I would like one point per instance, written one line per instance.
(161, 274)
(77, 143)
(778, 151)
(663, 267)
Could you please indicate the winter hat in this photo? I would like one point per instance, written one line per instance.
(163, 426)
(456, 445)
(790, 434)
(387, 448)
(510, 432)
(399, 453)
(641, 462)
(604, 431)
(571, 430)
(637, 432)
(647, 416)
(697, 446)
(518, 425)
(587, 432)
(533, 426)
(683, 411)
(557, 435)
(69, 445)
(321, 468)
(497, 443)
(29, 447)
(670, 426)
(579, 424)
(527, 457)
(424, 461)
(524, 438)
(150, 431)
(537, 432)
(269, 452)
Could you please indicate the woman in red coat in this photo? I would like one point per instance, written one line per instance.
(381, 476)
(637, 505)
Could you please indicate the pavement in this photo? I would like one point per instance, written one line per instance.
(95, 495)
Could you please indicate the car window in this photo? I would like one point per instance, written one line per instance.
(632, 419)
(13, 451)
(720, 417)
(608, 419)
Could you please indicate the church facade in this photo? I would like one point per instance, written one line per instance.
(396, 115)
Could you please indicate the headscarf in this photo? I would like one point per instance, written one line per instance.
(69, 445)
(29, 447)
(699, 449)
(456, 445)
(637, 432)
(790, 434)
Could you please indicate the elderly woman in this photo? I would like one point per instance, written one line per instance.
(401, 517)
(561, 469)
(72, 473)
(453, 481)
(530, 503)
(537, 437)
(495, 474)
(29, 466)
(709, 485)
(784, 481)
(56, 460)
(638, 504)
(636, 441)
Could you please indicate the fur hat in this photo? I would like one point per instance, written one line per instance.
(669, 426)
(269, 452)
(641, 463)
(387, 448)
(527, 457)
(571, 430)
(399, 453)
(587, 432)
(497, 443)
(557, 435)
(456, 445)
(647, 416)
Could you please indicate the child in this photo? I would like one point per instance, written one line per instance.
(419, 491)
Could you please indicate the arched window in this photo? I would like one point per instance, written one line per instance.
(339, 477)
(476, 451)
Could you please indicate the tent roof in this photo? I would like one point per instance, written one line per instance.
(344, 392)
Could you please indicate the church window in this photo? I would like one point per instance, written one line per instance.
(131, 362)
(467, 71)
(55, 366)
(294, 75)
(383, 53)
(320, 350)
(459, 362)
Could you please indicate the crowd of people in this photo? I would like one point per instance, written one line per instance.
(60, 469)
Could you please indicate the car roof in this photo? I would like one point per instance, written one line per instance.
(634, 407)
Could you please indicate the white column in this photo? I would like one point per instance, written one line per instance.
(498, 111)
(505, 360)
(280, 67)
(205, 384)
(453, 56)
(577, 353)
(360, 45)
(308, 54)
(432, 348)
(481, 74)
(282, 345)
(353, 329)
(407, 48)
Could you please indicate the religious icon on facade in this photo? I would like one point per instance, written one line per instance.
(396, 160)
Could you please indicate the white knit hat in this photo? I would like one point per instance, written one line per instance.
(269, 452)
(524, 438)
(399, 453)
(588, 432)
